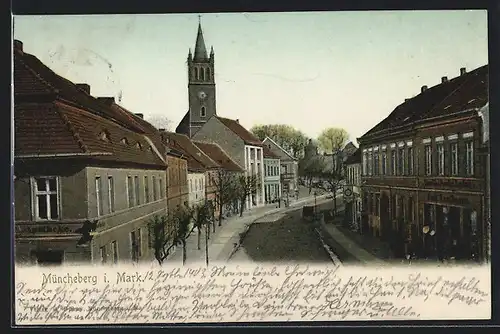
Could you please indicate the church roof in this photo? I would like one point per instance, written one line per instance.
(183, 127)
(240, 131)
(200, 51)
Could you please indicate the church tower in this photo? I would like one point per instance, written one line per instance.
(201, 84)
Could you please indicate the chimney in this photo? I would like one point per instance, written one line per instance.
(238, 120)
(106, 100)
(406, 100)
(423, 89)
(444, 79)
(463, 71)
(140, 115)
(161, 129)
(18, 46)
(83, 86)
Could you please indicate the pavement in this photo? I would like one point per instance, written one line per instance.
(281, 237)
(226, 238)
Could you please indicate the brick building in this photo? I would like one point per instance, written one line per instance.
(177, 180)
(423, 180)
(87, 176)
(201, 168)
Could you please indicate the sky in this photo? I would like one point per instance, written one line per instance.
(311, 70)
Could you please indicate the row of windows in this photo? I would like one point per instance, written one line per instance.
(197, 185)
(401, 158)
(202, 74)
(272, 171)
(109, 253)
(133, 188)
(353, 175)
(46, 194)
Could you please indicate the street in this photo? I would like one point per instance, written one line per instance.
(282, 237)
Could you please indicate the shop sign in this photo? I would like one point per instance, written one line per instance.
(451, 183)
(449, 198)
(55, 228)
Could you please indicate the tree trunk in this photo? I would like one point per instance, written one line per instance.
(335, 201)
(206, 243)
(220, 212)
(242, 205)
(199, 237)
(183, 252)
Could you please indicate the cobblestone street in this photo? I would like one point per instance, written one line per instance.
(281, 238)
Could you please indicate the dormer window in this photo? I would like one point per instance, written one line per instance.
(203, 112)
(124, 141)
(104, 136)
(139, 146)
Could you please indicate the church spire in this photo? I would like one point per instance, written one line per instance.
(200, 51)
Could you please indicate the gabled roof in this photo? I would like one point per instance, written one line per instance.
(68, 121)
(32, 77)
(464, 92)
(240, 131)
(268, 153)
(217, 154)
(56, 128)
(197, 159)
(279, 146)
(354, 158)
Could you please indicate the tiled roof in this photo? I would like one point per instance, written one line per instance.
(146, 127)
(31, 75)
(217, 154)
(268, 153)
(58, 128)
(197, 159)
(240, 131)
(354, 158)
(466, 91)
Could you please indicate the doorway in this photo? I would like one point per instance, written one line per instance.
(49, 257)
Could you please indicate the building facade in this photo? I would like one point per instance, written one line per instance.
(221, 179)
(200, 166)
(272, 176)
(177, 180)
(243, 148)
(352, 198)
(87, 180)
(196, 188)
(289, 166)
(423, 181)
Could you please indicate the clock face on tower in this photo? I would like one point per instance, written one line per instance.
(202, 95)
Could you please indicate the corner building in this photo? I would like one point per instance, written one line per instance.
(423, 182)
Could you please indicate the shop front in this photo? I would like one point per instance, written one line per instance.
(451, 227)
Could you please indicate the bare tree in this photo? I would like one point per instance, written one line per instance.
(201, 217)
(333, 140)
(224, 184)
(162, 241)
(160, 122)
(247, 185)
